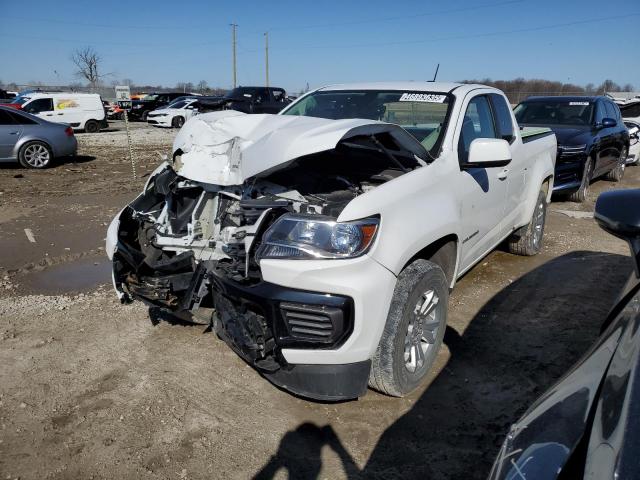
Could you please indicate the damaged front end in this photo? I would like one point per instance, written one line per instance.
(186, 244)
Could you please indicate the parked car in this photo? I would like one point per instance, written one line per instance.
(175, 114)
(634, 142)
(328, 246)
(33, 141)
(256, 99)
(586, 425)
(82, 111)
(141, 108)
(592, 139)
(631, 110)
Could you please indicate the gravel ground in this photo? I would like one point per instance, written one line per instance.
(93, 389)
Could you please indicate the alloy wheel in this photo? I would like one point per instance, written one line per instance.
(37, 155)
(422, 331)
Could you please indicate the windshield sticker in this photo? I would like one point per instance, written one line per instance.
(578, 103)
(422, 97)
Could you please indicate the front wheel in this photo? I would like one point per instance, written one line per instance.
(528, 240)
(580, 195)
(413, 331)
(617, 173)
(177, 122)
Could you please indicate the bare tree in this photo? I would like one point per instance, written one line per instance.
(202, 86)
(87, 61)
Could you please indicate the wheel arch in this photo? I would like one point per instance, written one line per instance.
(443, 252)
(23, 141)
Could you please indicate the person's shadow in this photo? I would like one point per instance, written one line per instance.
(517, 345)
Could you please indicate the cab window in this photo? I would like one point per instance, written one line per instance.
(477, 123)
(39, 105)
(502, 113)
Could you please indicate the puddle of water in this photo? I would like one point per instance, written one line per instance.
(80, 276)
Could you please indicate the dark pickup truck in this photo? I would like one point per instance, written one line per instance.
(141, 108)
(593, 141)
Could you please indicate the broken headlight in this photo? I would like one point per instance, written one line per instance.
(313, 237)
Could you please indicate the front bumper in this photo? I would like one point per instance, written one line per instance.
(159, 121)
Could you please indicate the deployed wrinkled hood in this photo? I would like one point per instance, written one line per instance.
(227, 147)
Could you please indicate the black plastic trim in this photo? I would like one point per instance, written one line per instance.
(327, 383)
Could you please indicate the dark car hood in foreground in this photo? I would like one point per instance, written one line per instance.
(585, 411)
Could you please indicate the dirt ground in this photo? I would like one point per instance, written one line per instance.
(93, 389)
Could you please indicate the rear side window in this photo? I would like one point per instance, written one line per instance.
(5, 118)
(502, 113)
(261, 95)
(21, 119)
(477, 123)
(39, 105)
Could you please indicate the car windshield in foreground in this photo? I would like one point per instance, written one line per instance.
(565, 112)
(422, 114)
(179, 104)
(149, 97)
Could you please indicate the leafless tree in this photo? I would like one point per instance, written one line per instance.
(87, 62)
(202, 86)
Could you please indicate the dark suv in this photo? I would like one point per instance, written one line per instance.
(593, 141)
(256, 99)
(141, 108)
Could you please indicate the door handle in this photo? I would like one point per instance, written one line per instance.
(61, 114)
(14, 133)
(503, 174)
(49, 114)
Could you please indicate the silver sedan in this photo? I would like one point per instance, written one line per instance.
(32, 141)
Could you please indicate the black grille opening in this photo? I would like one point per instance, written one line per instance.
(316, 323)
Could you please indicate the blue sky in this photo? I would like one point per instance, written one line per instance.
(164, 42)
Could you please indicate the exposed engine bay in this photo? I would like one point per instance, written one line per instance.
(185, 244)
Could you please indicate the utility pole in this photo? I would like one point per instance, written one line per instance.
(233, 30)
(266, 55)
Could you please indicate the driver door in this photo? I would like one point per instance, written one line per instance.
(482, 190)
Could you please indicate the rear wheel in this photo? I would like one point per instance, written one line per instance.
(529, 239)
(91, 126)
(414, 330)
(580, 195)
(144, 116)
(617, 173)
(177, 122)
(35, 155)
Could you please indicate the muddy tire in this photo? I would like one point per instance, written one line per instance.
(580, 195)
(414, 330)
(177, 122)
(35, 154)
(144, 116)
(528, 240)
(91, 126)
(617, 173)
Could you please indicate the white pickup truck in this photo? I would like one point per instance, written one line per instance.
(323, 242)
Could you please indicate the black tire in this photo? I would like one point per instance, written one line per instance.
(527, 241)
(617, 173)
(390, 369)
(144, 116)
(580, 195)
(177, 122)
(35, 154)
(91, 126)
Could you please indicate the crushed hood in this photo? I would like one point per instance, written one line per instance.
(227, 147)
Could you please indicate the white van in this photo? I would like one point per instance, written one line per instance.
(82, 111)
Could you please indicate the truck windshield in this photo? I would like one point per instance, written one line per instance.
(555, 113)
(422, 114)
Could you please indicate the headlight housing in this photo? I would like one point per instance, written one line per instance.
(304, 237)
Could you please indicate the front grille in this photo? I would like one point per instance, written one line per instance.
(313, 322)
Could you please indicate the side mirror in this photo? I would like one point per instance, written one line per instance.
(608, 123)
(488, 152)
(617, 213)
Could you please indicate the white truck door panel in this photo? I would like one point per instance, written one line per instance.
(483, 191)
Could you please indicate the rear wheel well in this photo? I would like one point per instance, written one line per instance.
(443, 252)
